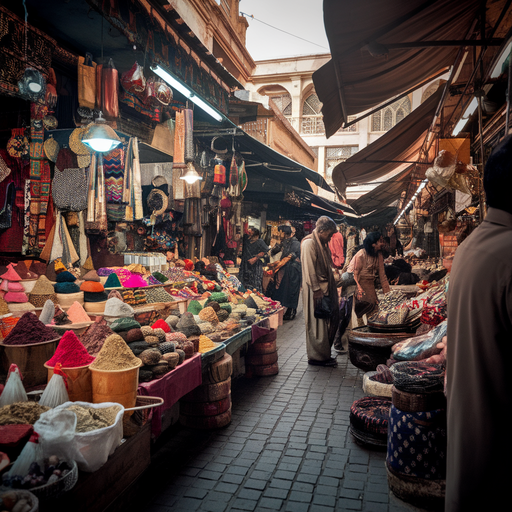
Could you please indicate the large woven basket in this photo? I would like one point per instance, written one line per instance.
(66, 300)
(416, 402)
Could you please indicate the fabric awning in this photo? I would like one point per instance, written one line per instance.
(302, 198)
(264, 160)
(354, 81)
(383, 195)
(394, 151)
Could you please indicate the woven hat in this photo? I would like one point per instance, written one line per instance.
(117, 308)
(65, 277)
(75, 141)
(157, 201)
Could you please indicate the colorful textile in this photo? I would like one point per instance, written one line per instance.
(113, 167)
(417, 443)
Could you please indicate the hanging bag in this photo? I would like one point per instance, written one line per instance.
(69, 190)
(110, 90)
(133, 80)
(86, 81)
(361, 305)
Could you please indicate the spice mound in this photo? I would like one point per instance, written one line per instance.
(205, 344)
(70, 352)
(95, 335)
(115, 355)
(20, 413)
(29, 330)
(89, 418)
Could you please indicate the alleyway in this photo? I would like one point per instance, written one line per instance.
(287, 448)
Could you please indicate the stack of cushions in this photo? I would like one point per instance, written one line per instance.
(95, 296)
(43, 290)
(67, 289)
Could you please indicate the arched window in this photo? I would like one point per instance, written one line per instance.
(385, 119)
(312, 122)
(283, 103)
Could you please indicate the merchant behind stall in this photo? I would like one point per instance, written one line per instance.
(479, 352)
(287, 272)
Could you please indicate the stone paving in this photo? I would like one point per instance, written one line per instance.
(288, 447)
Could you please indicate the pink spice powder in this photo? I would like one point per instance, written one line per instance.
(70, 352)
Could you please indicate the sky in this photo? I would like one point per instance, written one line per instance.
(300, 18)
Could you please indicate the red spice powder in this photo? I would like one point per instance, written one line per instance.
(29, 330)
(70, 352)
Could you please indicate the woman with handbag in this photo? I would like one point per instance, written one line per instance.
(319, 293)
(366, 265)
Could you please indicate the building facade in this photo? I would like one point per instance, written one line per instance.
(289, 83)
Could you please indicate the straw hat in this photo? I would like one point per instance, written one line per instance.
(75, 141)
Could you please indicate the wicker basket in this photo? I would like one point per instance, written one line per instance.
(31, 498)
(417, 402)
(62, 485)
(142, 413)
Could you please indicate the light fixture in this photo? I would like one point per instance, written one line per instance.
(100, 137)
(188, 93)
(421, 186)
(464, 119)
(32, 85)
(191, 176)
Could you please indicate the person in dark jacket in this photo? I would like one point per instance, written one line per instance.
(287, 272)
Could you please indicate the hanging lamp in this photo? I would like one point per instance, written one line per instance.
(100, 136)
(191, 175)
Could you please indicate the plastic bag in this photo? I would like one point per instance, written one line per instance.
(133, 80)
(56, 429)
(13, 390)
(420, 347)
(90, 450)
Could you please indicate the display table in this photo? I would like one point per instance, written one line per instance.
(171, 387)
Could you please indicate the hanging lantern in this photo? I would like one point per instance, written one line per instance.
(32, 86)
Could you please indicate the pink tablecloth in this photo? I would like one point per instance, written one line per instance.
(171, 387)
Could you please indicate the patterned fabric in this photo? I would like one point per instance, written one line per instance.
(417, 443)
(113, 166)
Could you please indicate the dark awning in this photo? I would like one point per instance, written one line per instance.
(354, 81)
(264, 160)
(394, 151)
(383, 195)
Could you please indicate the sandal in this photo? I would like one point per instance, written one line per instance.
(331, 362)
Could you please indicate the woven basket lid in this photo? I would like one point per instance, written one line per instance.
(75, 141)
(157, 201)
(67, 299)
(51, 148)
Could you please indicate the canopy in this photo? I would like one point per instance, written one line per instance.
(383, 195)
(354, 80)
(394, 151)
(264, 160)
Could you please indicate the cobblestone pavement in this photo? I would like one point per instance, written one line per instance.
(288, 447)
